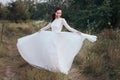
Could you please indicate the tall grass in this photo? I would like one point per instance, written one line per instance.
(96, 61)
(9, 56)
(103, 57)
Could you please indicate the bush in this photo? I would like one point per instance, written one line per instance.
(104, 56)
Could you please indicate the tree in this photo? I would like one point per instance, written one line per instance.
(18, 11)
(90, 15)
(3, 12)
(115, 18)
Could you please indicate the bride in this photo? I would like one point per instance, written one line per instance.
(53, 50)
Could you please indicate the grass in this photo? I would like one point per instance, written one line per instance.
(95, 61)
(103, 57)
(12, 65)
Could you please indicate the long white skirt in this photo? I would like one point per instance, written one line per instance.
(53, 51)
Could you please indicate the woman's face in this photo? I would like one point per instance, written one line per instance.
(58, 13)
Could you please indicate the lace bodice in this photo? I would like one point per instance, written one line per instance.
(58, 24)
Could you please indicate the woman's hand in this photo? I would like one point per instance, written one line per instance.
(79, 32)
(39, 31)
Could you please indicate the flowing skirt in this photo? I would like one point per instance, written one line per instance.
(53, 51)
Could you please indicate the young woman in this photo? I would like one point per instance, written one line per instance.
(57, 16)
(53, 50)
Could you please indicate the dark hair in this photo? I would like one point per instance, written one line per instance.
(53, 14)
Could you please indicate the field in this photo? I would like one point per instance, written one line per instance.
(95, 61)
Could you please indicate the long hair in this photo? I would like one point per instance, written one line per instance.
(53, 14)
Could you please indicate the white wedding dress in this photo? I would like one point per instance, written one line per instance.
(53, 50)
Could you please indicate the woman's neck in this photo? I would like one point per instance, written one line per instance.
(58, 17)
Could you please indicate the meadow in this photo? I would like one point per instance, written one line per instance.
(95, 61)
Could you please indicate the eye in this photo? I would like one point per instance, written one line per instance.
(58, 13)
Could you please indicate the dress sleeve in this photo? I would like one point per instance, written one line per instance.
(68, 27)
(46, 27)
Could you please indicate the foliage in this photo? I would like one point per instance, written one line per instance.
(103, 57)
(94, 15)
(18, 11)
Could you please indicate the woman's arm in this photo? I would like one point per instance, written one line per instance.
(46, 27)
(68, 27)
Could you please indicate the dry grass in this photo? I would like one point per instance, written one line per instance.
(101, 60)
(98, 61)
(12, 65)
